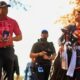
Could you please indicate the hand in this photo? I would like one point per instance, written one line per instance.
(52, 57)
(46, 57)
(33, 59)
(42, 53)
(61, 49)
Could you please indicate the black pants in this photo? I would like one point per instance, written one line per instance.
(60, 74)
(6, 61)
(77, 75)
(42, 75)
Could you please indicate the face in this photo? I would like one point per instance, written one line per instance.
(3, 11)
(77, 1)
(77, 16)
(44, 35)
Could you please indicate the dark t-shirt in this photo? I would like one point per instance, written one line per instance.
(43, 46)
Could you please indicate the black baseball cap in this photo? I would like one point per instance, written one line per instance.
(44, 31)
(4, 4)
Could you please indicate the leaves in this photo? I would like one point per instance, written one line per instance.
(19, 5)
(69, 18)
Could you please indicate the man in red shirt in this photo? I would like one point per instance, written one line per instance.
(8, 26)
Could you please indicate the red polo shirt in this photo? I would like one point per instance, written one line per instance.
(10, 25)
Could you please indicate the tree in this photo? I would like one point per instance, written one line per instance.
(70, 18)
(19, 5)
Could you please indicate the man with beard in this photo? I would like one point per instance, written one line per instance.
(43, 52)
(8, 26)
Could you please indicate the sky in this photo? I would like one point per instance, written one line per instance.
(38, 15)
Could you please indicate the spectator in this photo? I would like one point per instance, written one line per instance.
(8, 26)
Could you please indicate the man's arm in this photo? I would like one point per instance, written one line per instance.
(17, 32)
(53, 55)
(35, 53)
(17, 38)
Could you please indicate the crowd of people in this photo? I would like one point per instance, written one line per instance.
(66, 65)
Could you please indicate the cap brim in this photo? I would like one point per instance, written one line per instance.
(5, 6)
(8, 5)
